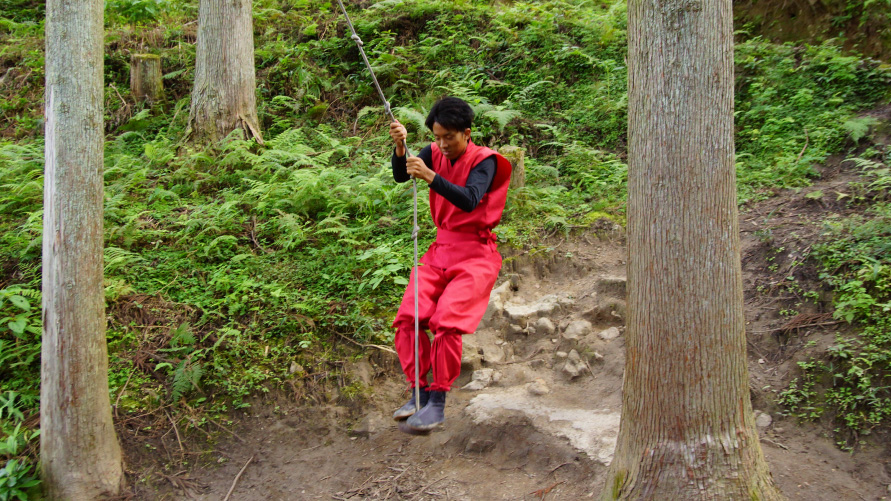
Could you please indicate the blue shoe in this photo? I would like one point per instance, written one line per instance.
(432, 415)
(409, 408)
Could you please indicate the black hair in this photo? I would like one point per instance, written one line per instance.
(451, 113)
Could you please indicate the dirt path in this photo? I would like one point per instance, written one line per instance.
(540, 417)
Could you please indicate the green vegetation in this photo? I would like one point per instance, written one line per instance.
(238, 269)
(853, 383)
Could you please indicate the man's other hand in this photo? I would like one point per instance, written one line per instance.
(416, 168)
(399, 134)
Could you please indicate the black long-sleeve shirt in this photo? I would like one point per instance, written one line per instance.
(465, 197)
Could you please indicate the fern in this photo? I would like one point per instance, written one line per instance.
(408, 115)
(858, 127)
(186, 377)
(502, 117)
(117, 258)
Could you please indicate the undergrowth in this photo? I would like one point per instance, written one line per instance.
(852, 382)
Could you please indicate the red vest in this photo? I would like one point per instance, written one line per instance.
(487, 214)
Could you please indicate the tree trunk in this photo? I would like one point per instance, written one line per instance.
(145, 77)
(514, 155)
(687, 429)
(80, 454)
(224, 95)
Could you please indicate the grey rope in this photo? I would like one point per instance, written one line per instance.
(414, 187)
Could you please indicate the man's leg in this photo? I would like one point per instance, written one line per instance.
(460, 308)
(429, 289)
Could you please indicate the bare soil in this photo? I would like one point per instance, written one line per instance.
(539, 429)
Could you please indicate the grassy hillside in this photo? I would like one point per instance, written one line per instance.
(238, 268)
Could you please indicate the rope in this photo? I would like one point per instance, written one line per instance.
(414, 188)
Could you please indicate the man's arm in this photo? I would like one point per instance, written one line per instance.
(400, 164)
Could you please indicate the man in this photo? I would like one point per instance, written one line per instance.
(468, 189)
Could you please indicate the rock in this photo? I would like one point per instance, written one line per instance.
(515, 329)
(571, 370)
(612, 286)
(514, 281)
(471, 359)
(577, 329)
(295, 368)
(562, 354)
(530, 330)
(362, 371)
(608, 310)
(544, 306)
(610, 334)
(538, 387)
(545, 326)
(369, 425)
(482, 379)
(501, 291)
(493, 354)
(763, 419)
(574, 365)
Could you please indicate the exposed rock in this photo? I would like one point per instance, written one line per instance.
(482, 379)
(515, 329)
(362, 371)
(369, 425)
(495, 308)
(763, 419)
(574, 365)
(608, 310)
(577, 330)
(471, 358)
(593, 431)
(546, 305)
(538, 387)
(562, 354)
(610, 334)
(514, 281)
(612, 286)
(295, 368)
(493, 354)
(545, 326)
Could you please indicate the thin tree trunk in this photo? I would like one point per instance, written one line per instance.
(223, 98)
(79, 451)
(146, 83)
(687, 429)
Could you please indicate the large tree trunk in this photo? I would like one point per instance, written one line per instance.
(687, 429)
(223, 98)
(80, 454)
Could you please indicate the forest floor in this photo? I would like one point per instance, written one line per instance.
(544, 418)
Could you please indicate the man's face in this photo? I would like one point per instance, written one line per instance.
(452, 143)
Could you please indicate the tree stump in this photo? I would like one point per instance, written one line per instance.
(514, 155)
(145, 77)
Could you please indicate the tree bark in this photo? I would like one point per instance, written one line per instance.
(79, 451)
(687, 429)
(224, 95)
(145, 77)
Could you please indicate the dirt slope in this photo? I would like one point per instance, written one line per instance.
(540, 417)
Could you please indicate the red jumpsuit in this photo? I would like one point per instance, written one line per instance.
(457, 274)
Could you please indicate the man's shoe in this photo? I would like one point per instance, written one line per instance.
(409, 408)
(432, 415)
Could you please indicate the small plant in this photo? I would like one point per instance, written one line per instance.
(17, 481)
